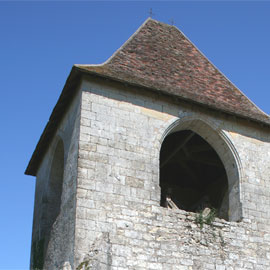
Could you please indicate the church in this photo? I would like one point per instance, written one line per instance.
(152, 160)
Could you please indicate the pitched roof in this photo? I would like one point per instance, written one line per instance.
(160, 57)
(157, 57)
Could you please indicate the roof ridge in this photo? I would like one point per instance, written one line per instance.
(127, 41)
(162, 59)
(179, 68)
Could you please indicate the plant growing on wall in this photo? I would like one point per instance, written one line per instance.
(84, 265)
(206, 216)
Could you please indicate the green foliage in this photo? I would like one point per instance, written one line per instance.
(208, 219)
(38, 254)
(200, 219)
(84, 265)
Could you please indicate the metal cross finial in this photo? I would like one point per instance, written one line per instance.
(151, 13)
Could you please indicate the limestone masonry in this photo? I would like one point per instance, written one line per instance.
(152, 160)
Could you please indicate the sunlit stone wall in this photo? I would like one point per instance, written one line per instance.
(119, 223)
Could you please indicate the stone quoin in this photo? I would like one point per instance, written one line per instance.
(152, 160)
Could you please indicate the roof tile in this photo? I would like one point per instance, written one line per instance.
(160, 57)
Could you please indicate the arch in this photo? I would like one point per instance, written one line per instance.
(51, 200)
(55, 183)
(225, 151)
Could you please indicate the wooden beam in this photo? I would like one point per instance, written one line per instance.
(171, 204)
(177, 149)
(186, 151)
(200, 148)
(207, 161)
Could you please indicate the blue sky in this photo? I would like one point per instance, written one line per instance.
(39, 43)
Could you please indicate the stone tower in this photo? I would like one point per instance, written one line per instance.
(152, 160)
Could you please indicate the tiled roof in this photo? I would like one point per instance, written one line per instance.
(157, 57)
(160, 57)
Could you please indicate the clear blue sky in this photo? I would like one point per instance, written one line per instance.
(39, 43)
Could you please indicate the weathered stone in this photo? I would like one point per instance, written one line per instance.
(110, 215)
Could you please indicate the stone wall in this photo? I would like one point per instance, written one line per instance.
(60, 249)
(119, 223)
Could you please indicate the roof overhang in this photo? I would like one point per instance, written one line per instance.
(69, 91)
(57, 114)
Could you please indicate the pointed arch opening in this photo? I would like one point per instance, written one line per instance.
(198, 170)
(51, 203)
